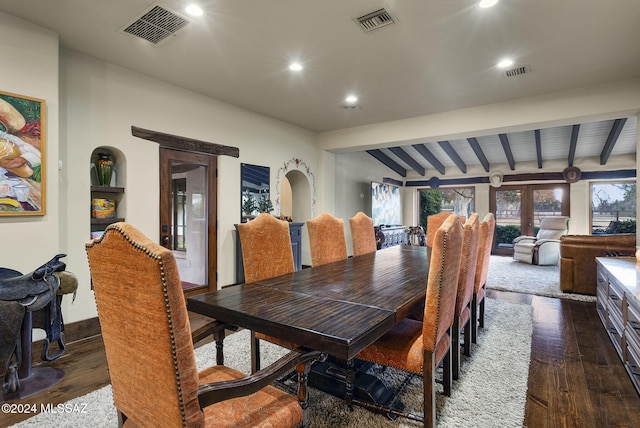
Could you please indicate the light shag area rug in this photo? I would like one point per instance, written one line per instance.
(491, 391)
(506, 274)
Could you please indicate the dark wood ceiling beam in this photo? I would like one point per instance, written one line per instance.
(574, 144)
(453, 155)
(616, 129)
(538, 148)
(186, 144)
(515, 178)
(473, 142)
(406, 158)
(422, 149)
(387, 161)
(504, 140)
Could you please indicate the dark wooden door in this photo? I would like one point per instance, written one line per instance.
(188, 213)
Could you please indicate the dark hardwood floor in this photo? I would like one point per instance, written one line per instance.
(575, 377)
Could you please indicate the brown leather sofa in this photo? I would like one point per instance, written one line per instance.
(577, 258)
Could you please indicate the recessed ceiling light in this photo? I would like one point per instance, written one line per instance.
(351, 99)
(295, 66)
(487, 3)
(505, 63)
(194, 10)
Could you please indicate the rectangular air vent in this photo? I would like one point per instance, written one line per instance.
(375, 20)
(155, 24)
(517, 71)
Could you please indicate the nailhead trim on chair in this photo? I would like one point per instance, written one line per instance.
(467, 252)
(444, 254)
(165, 293)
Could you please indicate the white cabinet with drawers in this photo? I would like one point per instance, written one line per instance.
(618, 306)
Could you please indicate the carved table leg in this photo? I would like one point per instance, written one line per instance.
(255, 353)
(303, 392)
(350, 382)
(218, 336)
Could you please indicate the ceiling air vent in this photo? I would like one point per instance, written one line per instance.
(375, 20)
(155, 24)
(517, 71)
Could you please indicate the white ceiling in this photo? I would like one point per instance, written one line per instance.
(439, 56)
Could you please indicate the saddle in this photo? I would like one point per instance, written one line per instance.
(39, 293)
(34, 290)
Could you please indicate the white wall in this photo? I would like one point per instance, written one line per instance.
(103, 102)
(30, 68)
(99, 103)
(91, 103)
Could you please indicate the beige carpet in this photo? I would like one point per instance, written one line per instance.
(491, 391)
(506, 274)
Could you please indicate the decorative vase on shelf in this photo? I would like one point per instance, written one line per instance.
(104, 167)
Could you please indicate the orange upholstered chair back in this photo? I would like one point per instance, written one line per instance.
(363, 236)
(442, 285)
(266, 248)
(326, 239)
(433, 223)
(469, 258)
(145, 328)
(487, 228)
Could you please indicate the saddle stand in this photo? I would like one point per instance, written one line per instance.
(27, 302)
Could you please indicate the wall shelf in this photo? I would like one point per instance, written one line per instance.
(106, 221)
(115, 193)
(107, 189)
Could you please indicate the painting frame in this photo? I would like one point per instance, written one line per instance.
(23, 143)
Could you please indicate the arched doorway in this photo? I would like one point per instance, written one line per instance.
(295, 204)
(295, 197)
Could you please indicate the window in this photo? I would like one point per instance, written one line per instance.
(519, 209)
(613, 208)
(179, 213)
(460, 200)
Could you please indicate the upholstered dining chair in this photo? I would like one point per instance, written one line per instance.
(266, 248)
(266, 253)
(487, 229)
(433, 223)
(150, 355)
(326, 239)
(420, 346)
(462, 320)
(363, 235)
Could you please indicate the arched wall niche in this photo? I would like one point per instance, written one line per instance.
(296, 191)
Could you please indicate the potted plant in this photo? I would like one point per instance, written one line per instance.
(248, 204)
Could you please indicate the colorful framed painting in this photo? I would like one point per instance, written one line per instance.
(22, 155)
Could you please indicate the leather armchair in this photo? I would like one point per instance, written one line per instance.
(578, 270)
(544, 248)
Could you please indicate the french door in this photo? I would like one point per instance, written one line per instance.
(519, 208)
(188, 216)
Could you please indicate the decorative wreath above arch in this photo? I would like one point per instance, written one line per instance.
(298, 165)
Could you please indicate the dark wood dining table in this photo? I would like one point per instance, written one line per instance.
(338, 308)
